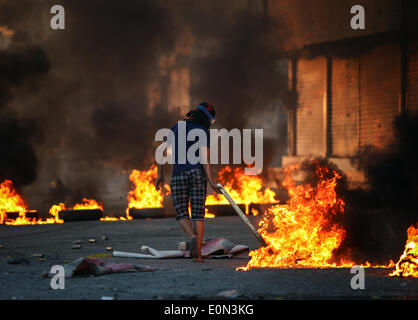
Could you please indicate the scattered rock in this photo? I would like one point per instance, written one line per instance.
(104, 237)
(17, 260)
(229, 294)
(108, 248)
(1, 246)
(92, 240)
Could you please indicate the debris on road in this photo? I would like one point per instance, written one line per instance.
(229, 294)
(213, 248)
(77, 242)
(183, 246)
(92, 240)
(101, 255)
(96, 267)
(17, 260)
(104, 237)
(108, 248)
(37, 255)
(76, 246)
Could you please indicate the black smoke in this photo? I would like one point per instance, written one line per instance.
(239, 76)
(93, 103)
(18, 134)
(377, 216)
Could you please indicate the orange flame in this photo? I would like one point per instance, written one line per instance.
(407, 266)
(301, 233)
(54, 211)
(113, 219)
(85, 204)
(209, 215)
(244, 189)
(10, 201)
(88, 204)
(144, 194)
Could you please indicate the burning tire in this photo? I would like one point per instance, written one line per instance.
(29, 214)
(144, 213)
(80, 215)
(223, 209)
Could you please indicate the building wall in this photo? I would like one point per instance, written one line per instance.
(365, 98)
(345, 106)
(380, 86)
(299, 23)
(412, 79)
(310, 115)
(366, 93)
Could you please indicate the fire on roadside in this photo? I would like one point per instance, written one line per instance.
(144, 194)
(407, 266)
(244, 189)
(85, 204)
(303, 232)
(10, 201)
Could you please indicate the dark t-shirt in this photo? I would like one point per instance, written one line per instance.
(178, 167)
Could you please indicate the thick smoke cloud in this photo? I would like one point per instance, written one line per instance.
(376, 217)
(238, 75)
(18, 161)
(92, 104)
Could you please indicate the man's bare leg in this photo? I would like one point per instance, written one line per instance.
(199, 228)
(187, 227)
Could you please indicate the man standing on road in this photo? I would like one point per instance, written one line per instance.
(189, 181)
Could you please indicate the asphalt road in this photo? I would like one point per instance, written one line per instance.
(173, 278)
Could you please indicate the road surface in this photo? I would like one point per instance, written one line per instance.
(20, 274)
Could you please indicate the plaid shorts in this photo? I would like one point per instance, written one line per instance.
(190, 186)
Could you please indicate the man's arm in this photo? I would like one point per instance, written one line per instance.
(208, 171)
(160, 177)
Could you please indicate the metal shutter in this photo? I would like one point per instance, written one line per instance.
(412, 79)
(380, 72)
(310, 137)
(345, 107)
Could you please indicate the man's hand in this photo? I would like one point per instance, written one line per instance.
(215, 187)
(158, 182)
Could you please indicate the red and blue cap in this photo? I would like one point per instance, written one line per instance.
(208, 110)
